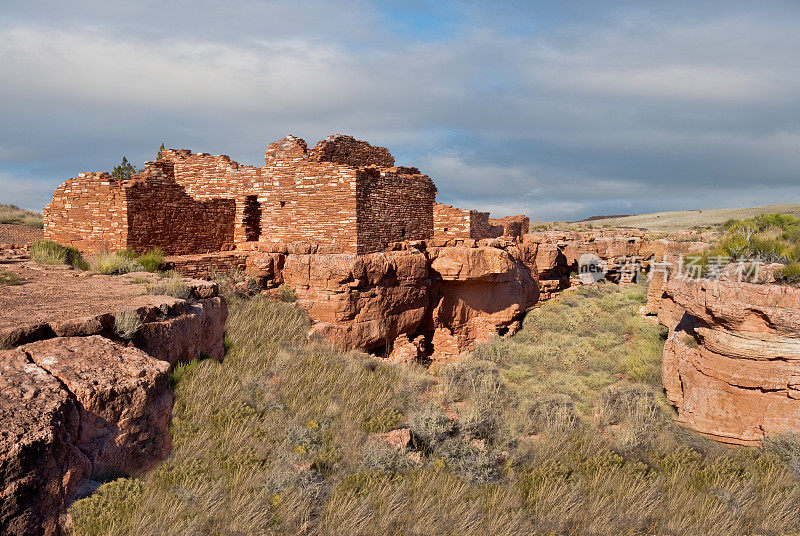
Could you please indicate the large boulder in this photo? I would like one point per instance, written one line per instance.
(731, 364)
(75, 408)
(40, 465)
(361, 301)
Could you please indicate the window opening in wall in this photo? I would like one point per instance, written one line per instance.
(402, 231)
(446, 229)
(283, 203)
(252, 218)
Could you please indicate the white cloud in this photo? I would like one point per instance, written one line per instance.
(565, 121)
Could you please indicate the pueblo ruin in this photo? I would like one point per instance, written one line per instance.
(376, 263)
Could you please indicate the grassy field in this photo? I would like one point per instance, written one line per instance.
(14, 214)
(562, 429)
(668, 222)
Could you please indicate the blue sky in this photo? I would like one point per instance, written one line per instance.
(558, 110)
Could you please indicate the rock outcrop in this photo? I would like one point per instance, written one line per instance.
(731, 363)
(477, 293)
(75, 408)
(417, 301)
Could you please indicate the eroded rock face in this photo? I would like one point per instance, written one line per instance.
(361, 301)
(413, 302)
(123, 398)
(477, 293)
(40, 466)
(731, 363)
(75, 408)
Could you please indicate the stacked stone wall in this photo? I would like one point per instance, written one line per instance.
(161, 214)
(88, 212)
(352, 152)
(452, 222)
(393, 205)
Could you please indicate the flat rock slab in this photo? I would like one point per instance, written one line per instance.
(75, 408)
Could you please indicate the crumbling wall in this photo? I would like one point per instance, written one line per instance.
(161, 214)
(350, 151)
(88, 212)
(205, 176)
(511, 226)
(393, 204)
(452, 222)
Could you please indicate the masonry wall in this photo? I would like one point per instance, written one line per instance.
(161, 214)
(88, 212)
(205, 176)
(393, 204)
(312, 202)
(350, 151)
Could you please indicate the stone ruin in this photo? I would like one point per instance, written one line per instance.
(342, 196)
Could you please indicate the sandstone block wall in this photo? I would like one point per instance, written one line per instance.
(343, 193)
(393, 204)
(161, 214)
(352, 152)
(452, 222)
(94, 211)
(88, 212)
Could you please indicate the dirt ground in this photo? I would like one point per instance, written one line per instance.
(12, 233)
(55, 293)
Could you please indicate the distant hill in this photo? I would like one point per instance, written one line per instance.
(15, 214)
(688, 219)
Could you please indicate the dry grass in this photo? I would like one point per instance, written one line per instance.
(15, 214)
(53, 253)
(669, 222)
(560, 430)
(9, 278)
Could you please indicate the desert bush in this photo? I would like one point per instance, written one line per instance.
(431, 426)
(152, 260)
(113, 263)
(789, 274)
(127, 322)
(552, 413)
(285, 293)
(7, 277)
(50, 252)
(236, 283)
(635, 408)
(378, 456)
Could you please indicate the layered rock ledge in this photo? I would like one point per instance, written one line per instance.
(731, 363)
(79, 400)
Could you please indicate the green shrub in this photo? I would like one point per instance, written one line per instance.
(50, 252)
(151, 261)
(116, 263)
(127, 322)
(285, 293)
(7, 277)
(789, 274)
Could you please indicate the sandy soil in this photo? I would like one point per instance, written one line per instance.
(12, 233)
(59, 293)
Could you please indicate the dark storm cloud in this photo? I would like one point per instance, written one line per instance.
(555, 110)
